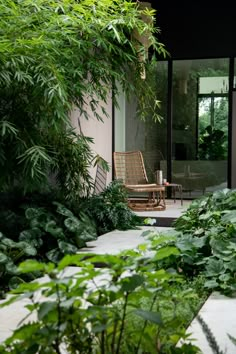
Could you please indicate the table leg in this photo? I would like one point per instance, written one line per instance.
(174, 189)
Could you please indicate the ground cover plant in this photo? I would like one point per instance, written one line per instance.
(40, 227)
(208, 239)
(144, 299)
(131, 306)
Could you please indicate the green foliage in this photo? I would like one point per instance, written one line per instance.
(207, 240)
(220, 107)
(94, 310)
(52, 229)
(11, 253)
(56, 55)
(59, 230)
(212, 144)
(148, 105)
(110, 210)
(37, 227)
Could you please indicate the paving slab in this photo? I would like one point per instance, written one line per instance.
(173, 210)
(219, 314)
(115, 241)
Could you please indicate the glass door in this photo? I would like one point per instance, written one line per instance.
(200, 125)
(150, 136)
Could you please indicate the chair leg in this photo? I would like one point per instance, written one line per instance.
(155, 202)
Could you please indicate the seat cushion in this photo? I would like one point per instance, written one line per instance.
(145, 187)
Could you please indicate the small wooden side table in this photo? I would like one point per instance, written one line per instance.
(176, 187)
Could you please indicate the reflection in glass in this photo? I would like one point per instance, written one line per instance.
(148, 136)
(200, 125)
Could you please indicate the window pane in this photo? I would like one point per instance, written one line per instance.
(131, 133)
(200, 125)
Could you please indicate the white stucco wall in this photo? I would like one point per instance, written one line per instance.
(101, 132)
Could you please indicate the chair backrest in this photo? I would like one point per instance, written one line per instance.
(152, 160)
(100, 180)
(129, 167)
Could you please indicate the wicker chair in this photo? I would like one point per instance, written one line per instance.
(129, 167)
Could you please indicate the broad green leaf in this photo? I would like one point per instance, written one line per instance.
(67, 248)
(225, 277)
(32, 236)
(166, 252)
(86, 236)
(185, 243)
(199, 231)
(54, 255)
(132, 282)
(232, 246)
(205, 216)
(28, 249)
(32, 266)
(45, 308)
(231, 265)
(199, 242)
(163, 239)
(61, 209)
(27, 288)
(154, 317)
(149, 221)
(230, 217)
(147, 233)
(100, 328)
(219, 245)
(25, 331)
(211, 284)
(31, 213)
(52, 228)
(3, 258)
(8, 242)
(11, 268)
(71, 260)
(72, 223)
(214, 267)
(143, 247)
(14, 282)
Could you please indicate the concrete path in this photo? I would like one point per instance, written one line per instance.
(173, 210)
(115, 241)
(219, 314)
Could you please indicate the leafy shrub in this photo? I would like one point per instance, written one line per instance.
(212, 144)
(97, 311)
(207, 240)
(34, 226)
(11, 254)
(57, 232)
(53, 57)
(110, 210)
